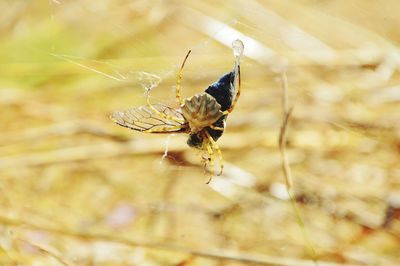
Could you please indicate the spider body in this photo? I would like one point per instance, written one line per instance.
(202, 116)
(201, 111)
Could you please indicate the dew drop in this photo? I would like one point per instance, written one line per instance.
(238, 48)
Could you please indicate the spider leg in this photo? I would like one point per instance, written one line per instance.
(165, 116)
(166, 129)
(218, 150)
(179, 79)
(216, 128)
(211, 154)
(237, 75)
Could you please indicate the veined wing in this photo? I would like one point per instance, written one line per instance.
(144, 120)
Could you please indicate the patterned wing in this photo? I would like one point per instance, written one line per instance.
(144, 120)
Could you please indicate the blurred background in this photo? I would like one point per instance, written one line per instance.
(76, 189)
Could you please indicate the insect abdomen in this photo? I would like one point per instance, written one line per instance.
(223, 90)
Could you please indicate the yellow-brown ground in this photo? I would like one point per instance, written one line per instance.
(78, 190)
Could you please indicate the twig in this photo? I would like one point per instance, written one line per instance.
(286, 166)
(47, 252)
(58, 129)
(282, 133)
(213, 254)
(103, 150)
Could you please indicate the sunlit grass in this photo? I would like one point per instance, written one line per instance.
(78, 190)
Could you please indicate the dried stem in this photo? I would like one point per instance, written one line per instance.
(287, 111)
(282, 134)
(212, 254)
(48, 252)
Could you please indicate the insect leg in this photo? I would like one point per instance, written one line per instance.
(211, 153)
(179, 79)
(218, 150)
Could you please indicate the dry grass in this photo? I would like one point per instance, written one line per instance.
(78, 190)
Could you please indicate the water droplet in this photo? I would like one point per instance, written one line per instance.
(238, 48)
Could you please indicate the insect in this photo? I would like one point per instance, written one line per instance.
(202, 116)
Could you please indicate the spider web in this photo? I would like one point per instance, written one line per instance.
(85, 59)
